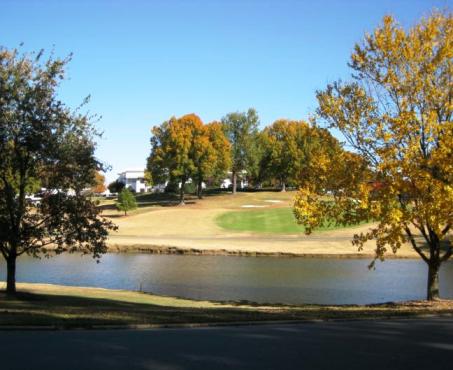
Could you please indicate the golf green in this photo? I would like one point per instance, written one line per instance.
(272, 220)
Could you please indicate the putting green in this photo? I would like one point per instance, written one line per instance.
(272, 220)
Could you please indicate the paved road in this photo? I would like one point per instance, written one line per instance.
(364, 345)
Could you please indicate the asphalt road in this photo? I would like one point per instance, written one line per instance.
(364, 345)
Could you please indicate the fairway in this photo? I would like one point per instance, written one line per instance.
(273, 220)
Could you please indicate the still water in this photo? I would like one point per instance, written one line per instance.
(262, 279)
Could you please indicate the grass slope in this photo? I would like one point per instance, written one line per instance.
(72, 307)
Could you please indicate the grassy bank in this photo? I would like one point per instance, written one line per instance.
(62, 306)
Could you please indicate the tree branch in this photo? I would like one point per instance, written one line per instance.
(415, 246)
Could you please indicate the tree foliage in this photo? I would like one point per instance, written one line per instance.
(172, 150)
(184, 148)
(99, 183)
(295, 152)
(116, 186)
(397, 116)
(241, 129)
(211, 154)
(126, 201)
(41, 138)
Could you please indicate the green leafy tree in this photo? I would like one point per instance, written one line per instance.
(116, 186)
(283, 143)
(241, 129)
(41, 138)
(126, 201)
(295, 152)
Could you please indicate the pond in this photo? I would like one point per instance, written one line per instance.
(258, 279)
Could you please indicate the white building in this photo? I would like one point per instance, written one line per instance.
(134, 180)
(242, 182)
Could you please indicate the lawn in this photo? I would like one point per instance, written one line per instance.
(272, 220)
(75, 307)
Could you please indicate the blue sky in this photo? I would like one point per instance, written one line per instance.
(145, 61)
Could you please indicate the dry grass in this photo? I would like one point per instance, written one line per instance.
(194, 226)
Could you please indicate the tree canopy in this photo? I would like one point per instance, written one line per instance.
(241, 129)
(184, 149)
(294, 151)
(44, 142)
(396, 115)
(211, 154)
(116, 186)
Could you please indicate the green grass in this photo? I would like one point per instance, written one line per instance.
(273, 220)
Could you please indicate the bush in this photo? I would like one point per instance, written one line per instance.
(116, 186)
(126, 201)
(172, 187)
(190, 188)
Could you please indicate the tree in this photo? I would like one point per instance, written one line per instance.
(295, 152)
(41, 138)
(116, 186)
(211, 154)
(396, 116)
(99, 185)
(288, 147)
(126, 201)
(222, 149)
(148, 178)
(173, 151)
(241, 129)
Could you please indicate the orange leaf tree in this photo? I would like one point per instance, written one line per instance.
(99, 185)
(184, 149)
(211, 154)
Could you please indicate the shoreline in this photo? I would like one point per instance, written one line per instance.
(174, 250)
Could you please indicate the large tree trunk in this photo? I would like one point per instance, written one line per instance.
(433, 281)
(181, 193)
(283, 184)
(11, 275)
(235, 180)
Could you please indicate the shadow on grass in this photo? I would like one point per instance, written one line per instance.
(171, 199)
(70, 311)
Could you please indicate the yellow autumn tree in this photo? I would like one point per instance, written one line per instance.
(396, 115)
(172, 151)
(184, 149)
(212, 154)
